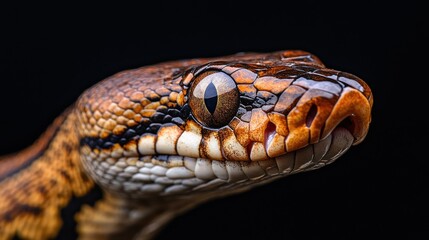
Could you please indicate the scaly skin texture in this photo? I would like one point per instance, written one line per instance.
(160, 139)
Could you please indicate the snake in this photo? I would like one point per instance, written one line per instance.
(148, 144)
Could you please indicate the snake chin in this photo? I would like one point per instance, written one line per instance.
(174, 176)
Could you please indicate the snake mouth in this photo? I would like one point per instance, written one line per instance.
(179, 176)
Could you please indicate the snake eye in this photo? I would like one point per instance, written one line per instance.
(214, 99)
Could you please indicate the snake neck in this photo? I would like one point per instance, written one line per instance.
(12, 164)
(38, 184)
(44, 186)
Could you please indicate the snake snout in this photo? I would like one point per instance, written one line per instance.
(314, 106)
(352, 112)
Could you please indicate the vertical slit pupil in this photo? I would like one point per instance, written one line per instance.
(210, 97)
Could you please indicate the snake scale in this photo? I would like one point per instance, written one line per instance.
(160, 139)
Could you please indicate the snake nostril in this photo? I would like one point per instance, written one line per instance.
(311, 115)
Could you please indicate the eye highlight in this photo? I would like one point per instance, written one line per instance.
(214, 99)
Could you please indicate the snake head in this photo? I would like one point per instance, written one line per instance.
(218, 126)
(259, 112)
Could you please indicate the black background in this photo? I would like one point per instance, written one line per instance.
(50, 53)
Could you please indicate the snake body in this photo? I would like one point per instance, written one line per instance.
(160, 139)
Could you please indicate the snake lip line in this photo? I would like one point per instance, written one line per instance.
(175, 176)
(99, 144)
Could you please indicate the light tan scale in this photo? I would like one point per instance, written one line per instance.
(162, 139)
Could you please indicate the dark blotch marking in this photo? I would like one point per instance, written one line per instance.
(210, 98)
(167, 119)
(107, 145)
(20, 209)
(157, 117)
(153, 128)
(130, 133)
(16, 238)
(140, 129)
(123, 141)
(114, 138)
(259, 102)
(162, 109)
(185, 111)
(42, 190)
(173, 112)
(246, 100)
(88, 141)
(177, 120)
(100, 141)
(67, 147)
(66, 175)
